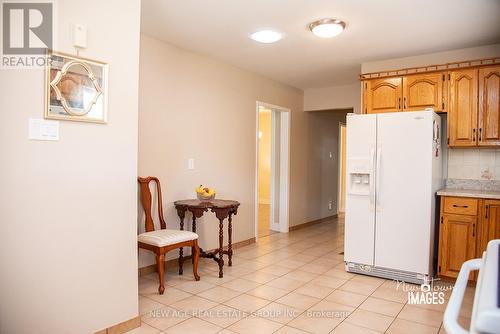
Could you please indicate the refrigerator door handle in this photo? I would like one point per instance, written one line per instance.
(377, 179)
(372, 181)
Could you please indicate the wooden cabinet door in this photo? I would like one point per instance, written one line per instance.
(489, 106)
(457, 243)
(462, 111)
(383, 95)
(422, 91)
(490, 223)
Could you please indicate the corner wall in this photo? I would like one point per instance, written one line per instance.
(68, 244)
(192, 106)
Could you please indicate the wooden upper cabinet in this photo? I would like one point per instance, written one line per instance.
(462, 111)
(489, 106)
(422, 91)
(490, 223)
(383, 95)
(457, 243)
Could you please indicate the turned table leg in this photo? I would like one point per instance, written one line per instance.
(221, 245)
(194, 230)
(181, 214)
(230, 240)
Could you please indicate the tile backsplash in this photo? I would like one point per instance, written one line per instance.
(474, 164)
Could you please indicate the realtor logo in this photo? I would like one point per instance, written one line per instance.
(26, 28)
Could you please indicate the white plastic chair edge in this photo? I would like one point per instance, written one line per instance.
(452, 312)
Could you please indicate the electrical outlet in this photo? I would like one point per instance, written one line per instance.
(330, 205)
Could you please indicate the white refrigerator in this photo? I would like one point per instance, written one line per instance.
(393, 170)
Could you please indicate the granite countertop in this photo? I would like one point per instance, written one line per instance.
(475, 193)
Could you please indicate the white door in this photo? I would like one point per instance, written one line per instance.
(403, 191)
(359, 211)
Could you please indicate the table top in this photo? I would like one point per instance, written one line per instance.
(212, 203)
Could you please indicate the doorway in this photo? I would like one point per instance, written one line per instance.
(272, 169)
(342, 168)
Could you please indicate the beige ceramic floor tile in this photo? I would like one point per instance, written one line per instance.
(194, 287)
(216, 280)
(170, 296)
(219, 294)
(346, 298)
(300, 275)
(193, 325)
(342, 274)
(400, 326)
(290, 330)
(330, 282)
(329, 309)
(260, 277)
(314, 290)
(314, 324)
(222, 315)
(392, 294)
(146, 305)
(298, 301)
(255, 325)
(144, 329)
(420, 315)
(279, 313)
(276, 270)
(347, 328)
(193, 304)
(359, 288)
(247, 303)
(375, 321)
(241, 285)
(381, 306)
(164, 318)
(285, 283)
(370, 280)
(268, 292)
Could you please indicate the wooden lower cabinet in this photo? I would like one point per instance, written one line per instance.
(457, 243)
(490, 223)
(466, 226)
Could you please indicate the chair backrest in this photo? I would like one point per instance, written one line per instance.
(147, 201)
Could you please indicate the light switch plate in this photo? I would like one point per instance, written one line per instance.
(190, 163)
(79, 36)
(41, 129)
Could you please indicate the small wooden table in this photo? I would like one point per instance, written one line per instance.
(223, 209)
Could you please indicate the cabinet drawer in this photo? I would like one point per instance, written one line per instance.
(460, 205)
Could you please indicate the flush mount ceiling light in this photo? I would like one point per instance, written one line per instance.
(327, 28)
(266, 36)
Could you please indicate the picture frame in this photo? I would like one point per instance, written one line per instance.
(75, 88)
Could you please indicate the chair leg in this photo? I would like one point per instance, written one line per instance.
(195, 250)
(160, 267)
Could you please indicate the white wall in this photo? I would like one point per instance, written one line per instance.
(192, 106)
(323, 170)
(436, 58)
(68, 246)
(333, 97)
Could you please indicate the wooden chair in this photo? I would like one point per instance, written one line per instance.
(163, 240)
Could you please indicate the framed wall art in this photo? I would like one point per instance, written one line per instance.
(76, 88)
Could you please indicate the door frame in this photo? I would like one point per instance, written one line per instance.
(284, 167)
(340, 181)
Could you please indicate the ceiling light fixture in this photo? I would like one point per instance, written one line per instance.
(266, 36)
(327, 28)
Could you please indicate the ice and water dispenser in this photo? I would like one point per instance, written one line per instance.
(359, 176)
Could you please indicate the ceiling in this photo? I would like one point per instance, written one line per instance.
(376, 30)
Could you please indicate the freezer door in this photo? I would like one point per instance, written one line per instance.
(404, 191)
(360, 189)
